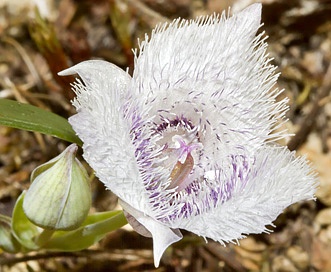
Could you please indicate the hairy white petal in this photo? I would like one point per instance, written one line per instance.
(196, 49)
(162, 235)
(277, 180)
(101, 125)
(212, 67)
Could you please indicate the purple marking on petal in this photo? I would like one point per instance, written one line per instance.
(219, 192)
(182, 121)
(200, 194)
(144, 153)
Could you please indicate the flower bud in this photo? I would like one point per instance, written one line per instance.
(59, 197)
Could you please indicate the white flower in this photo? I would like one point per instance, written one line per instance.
(186, 143)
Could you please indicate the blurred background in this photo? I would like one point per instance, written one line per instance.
(40, 38)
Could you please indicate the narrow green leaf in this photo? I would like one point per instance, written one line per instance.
(28, 117)
(97, 226)
(23, 230)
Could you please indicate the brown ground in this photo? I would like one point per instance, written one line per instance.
(30, 57)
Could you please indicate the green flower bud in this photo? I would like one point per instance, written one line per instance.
(59, 197)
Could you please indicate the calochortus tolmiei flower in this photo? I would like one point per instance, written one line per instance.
(187, 141)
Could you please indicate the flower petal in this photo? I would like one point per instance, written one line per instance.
(162, 235)
(277, 181)
(101, 124)
(197, 49)
(210, 67)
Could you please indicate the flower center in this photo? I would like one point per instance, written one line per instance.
(179, 176)
(180, 146)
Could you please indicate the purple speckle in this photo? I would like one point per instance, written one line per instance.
(201, 194)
